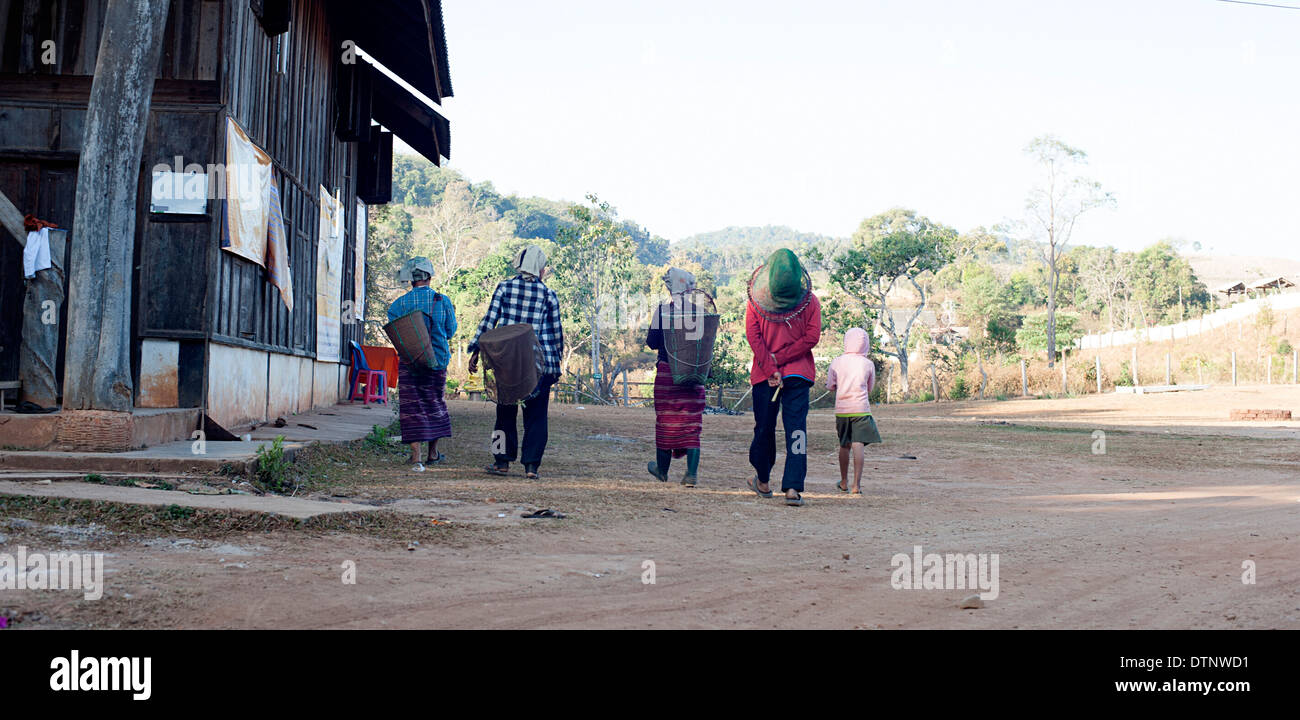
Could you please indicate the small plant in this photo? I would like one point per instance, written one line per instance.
(178, 512)
(378, 437)
(1125, 376)
(273, 468)
(1284, 347)
(95, 478)
(960, 390)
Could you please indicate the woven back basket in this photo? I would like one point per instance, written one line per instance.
(690, 331)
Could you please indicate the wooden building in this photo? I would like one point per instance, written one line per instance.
(209, 333)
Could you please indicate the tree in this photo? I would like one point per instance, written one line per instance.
(456, 226)
(1164, 284)
(1032, 335)
(892, 247)
(1054, 206)
(1104, 275)
(597, 259)
(389, 243)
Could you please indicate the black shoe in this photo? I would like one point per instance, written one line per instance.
(530, 471)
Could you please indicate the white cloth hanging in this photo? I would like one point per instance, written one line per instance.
(36, 255)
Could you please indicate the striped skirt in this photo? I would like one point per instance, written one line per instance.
(679, 413)
(421, 407)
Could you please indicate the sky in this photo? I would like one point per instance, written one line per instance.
(692, 116)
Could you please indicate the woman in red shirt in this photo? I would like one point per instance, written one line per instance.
(783, 323)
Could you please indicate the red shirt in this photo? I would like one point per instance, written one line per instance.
(791, 341)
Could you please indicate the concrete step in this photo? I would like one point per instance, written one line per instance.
(174, 457)
(269, 504)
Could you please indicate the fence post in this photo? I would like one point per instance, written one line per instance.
(1268, 371)
(1234, 367)
(1200, 377)
(1024, 379)
(1136, 382)
(624, 387)
(934, 383)
(1294, 366)
(1065, 384)
(1169, 379)
(1098, 360)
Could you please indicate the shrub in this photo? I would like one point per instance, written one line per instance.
(273, 469)
(960, 390)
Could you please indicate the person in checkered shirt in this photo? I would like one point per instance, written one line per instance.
(524, 298)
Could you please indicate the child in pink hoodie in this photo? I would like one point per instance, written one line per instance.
(852, 376)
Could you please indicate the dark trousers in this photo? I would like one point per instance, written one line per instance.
(535, 431)
(792, 405)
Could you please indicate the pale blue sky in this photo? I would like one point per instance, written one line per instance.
(691, 116)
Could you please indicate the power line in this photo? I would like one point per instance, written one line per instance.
(1260, 4)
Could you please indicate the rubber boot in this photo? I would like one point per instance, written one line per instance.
(692, 467)
(659, 467)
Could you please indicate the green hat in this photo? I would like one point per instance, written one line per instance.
(781, 284)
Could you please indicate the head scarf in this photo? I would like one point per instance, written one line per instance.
(417, 263)
(679, 281)
(531, 261)
(785, 279)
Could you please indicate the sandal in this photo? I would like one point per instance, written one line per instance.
(841, 486)
(752, 484)
(796, 501)
(530, 472)
(688, 481)
(547, 513)
(653, 467)
(497, 470)
(435, 460)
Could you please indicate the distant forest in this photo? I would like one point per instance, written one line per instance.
(994, 283)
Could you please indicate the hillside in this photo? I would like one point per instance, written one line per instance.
(1219, 270)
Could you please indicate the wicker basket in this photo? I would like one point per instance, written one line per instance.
(689, 334)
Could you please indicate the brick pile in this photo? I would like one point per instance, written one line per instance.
(1259, 415)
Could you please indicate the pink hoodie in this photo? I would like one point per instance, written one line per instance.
(852, 375)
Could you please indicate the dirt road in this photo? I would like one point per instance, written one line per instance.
(1152, 533)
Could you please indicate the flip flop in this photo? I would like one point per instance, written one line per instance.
(434, 461)
(494, 470)
(547, 513)
(841, 488)
(857, 492)
(796, 501)
(752, 484)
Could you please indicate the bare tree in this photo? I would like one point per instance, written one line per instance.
(1105, 277)
(1054, 206)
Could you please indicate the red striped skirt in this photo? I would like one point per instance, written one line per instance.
(679, 413)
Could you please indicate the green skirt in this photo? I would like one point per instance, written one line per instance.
(861, 429)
